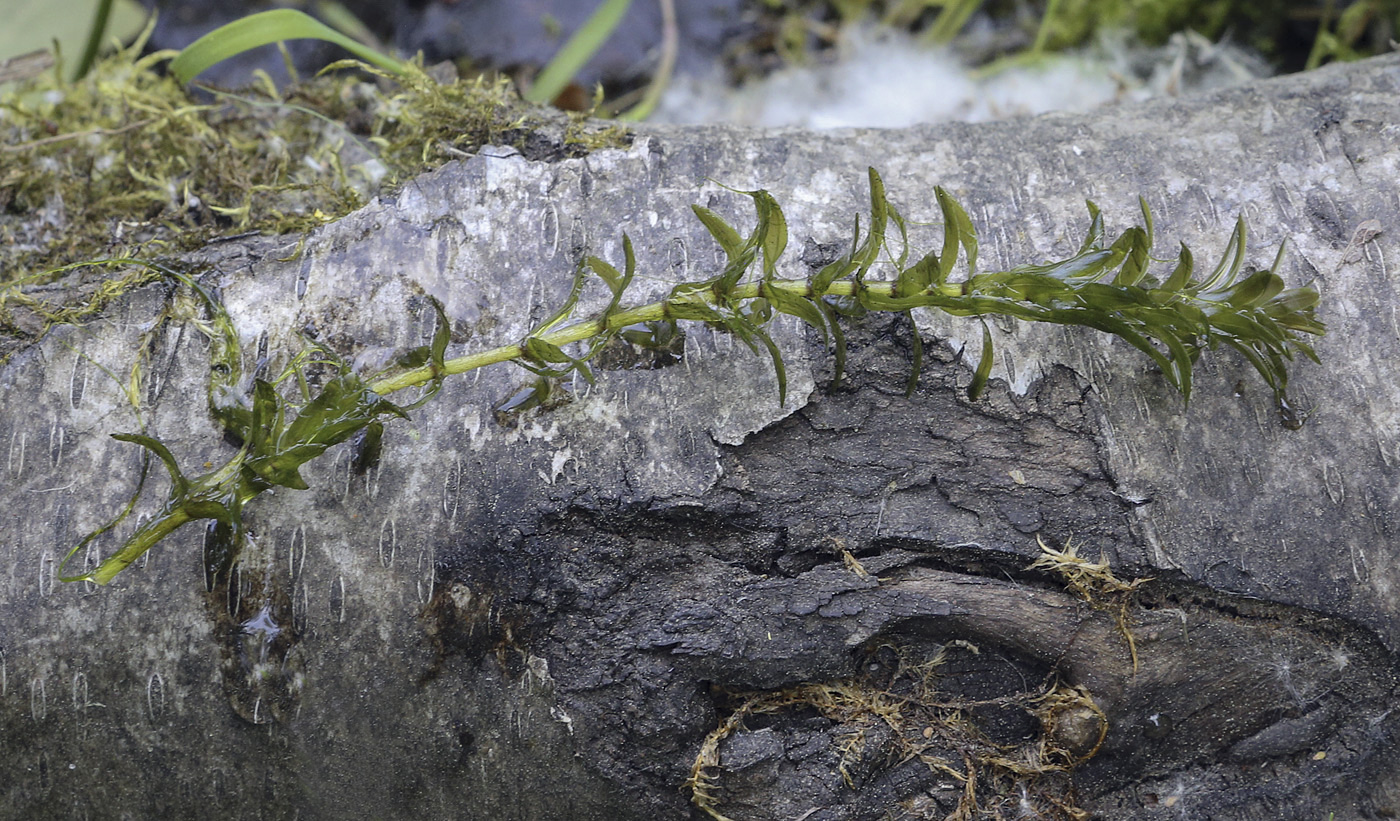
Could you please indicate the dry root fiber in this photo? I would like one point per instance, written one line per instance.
(930, 723)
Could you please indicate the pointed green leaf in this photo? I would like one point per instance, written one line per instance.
(1086, 265)
(1181, 360)
(837, 269)
(1230, 261)
(1181, 275)
(616, 283)
(1103, 297)
(1255, 289)
(957, 230)
(269, 414)
(1093, 239)
(686, 303)
(1278, 257)
(541, 350)
(1146, 220)
(898, 220)
(368, 447)
(1236, 325)
(1135, 266)
(605, 272)
(728, 238)
(869, 252)
(1108, 323)
(838, 341)
(879, 207)
(920, 276)
(773, 234)
(951, 241)
(442, 334)
(567, 309)
(801, 307)
(179, 484)
(984, 366)
(779, 370)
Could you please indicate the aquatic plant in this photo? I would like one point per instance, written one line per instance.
(1104, 285)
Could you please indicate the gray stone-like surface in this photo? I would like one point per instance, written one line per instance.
(524, 621)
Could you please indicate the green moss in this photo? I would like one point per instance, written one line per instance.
(128, 163)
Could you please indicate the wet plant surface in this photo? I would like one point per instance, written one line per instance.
(1105, 286)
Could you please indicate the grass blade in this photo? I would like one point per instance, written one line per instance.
(265, 28)
(577, 51)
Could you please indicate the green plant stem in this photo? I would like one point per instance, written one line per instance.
(580, 48)
(221, 483)
(1042, 35)
(94, 39)
(670, 39)
(1104, 286)
(578, 332)
(147, 537)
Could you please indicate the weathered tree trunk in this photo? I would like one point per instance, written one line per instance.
(560, 614)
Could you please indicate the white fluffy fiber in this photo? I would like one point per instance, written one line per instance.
(886, 79)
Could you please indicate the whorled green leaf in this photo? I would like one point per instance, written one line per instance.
(1255, 289)
(1181, 275)
(1230, 262)
(342, 408)
(839, 268)
(920, 276)
(728, 238)
(984, 366)
(869, 252)
(1182, 360)
(693, 302)
(773, 237)
(1134, 267)
(367, 446)
(838, 338)
(179, 485)
(432, 355)
(1093, 238)
(1086, 265)
(617, 283)
(1147, 226)
(545, 351)
(805, 309)
(957, 231)
(566, 310)
(898, 220)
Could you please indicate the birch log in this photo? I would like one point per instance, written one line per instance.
(547, 618)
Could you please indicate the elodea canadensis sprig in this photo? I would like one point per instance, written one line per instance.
(1104, 285)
